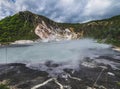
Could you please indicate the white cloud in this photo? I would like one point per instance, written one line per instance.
(97, 7)
(63, 10)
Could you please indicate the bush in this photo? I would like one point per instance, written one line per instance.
(3, 86)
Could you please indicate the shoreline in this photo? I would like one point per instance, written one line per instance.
(22, 42)
(25, 42)
(17, 42)
(115, 48)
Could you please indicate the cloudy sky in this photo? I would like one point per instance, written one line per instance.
(63, 10)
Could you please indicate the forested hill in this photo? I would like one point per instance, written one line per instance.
(106, 30)
(21, 26)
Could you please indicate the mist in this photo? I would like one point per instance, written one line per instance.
(53, 57)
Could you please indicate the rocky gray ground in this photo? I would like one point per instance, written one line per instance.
(84, 77)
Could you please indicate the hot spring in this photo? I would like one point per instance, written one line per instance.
(62, 52)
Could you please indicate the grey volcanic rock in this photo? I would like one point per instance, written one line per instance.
(84, 76)
(20, 75)
(51, 64)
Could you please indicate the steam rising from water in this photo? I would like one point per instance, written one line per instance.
(67, 53)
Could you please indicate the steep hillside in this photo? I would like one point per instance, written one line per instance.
(20, 26)
(107, 30)
(29, 26)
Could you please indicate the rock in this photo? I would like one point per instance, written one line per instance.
(24, 77)
(90, 87)
(51, 64)
(89, 64)
(103, 67)
(23, 42)
(111, 74)
(20, 75)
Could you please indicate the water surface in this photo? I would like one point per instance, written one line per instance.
(63, 51)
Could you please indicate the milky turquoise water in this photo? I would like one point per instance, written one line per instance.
(63, 51)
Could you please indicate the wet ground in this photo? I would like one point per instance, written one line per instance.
(87, 75)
